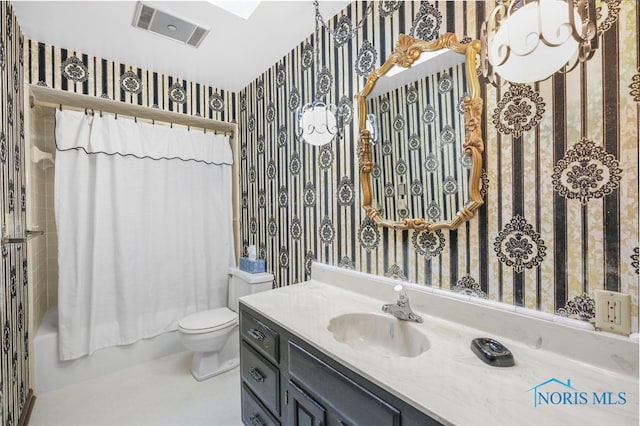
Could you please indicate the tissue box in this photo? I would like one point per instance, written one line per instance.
(252, 266)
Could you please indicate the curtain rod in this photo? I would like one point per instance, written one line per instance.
(36, 102)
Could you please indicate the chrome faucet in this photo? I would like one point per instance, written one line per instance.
(401, 308)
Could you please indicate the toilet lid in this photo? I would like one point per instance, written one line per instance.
(210, 320)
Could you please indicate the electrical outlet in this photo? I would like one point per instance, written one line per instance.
(613, 312)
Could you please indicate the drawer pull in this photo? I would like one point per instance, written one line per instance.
(256, 334)
(256, 374)
(256, 420)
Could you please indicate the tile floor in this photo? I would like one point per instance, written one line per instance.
(158, 392)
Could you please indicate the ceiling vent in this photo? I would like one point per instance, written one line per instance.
(161, 23)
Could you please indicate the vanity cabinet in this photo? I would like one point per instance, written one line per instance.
(287, 381)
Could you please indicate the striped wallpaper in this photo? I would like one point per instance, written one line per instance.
(549, 233)
(14, 288)
(78, 72)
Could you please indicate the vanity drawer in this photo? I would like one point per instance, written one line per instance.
(253, 413)
(352, 403)
(261, 337)
(261, 377)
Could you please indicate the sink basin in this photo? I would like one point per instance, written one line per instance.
(378, 333)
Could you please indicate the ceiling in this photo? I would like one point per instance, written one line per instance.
(234, 53)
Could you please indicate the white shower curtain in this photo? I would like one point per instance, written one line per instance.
(144, 218)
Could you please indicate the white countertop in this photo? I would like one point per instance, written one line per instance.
(448, 381)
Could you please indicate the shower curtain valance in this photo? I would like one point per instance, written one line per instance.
(94, 134)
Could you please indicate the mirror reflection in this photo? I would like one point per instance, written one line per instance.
(420, 140)
(419, 166)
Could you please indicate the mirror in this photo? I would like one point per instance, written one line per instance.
(420, 147)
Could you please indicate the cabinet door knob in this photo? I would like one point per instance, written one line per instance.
(256, 420)
(256, 334)
(256, 374)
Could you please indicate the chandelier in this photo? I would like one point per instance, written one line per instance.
(318, 122)
(525, 41)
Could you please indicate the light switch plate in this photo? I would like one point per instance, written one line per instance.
(613, 312)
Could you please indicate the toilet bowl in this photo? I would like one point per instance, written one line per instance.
(213, 334)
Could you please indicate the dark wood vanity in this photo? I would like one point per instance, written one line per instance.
(286, 381)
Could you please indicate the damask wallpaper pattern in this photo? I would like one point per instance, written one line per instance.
(14, 288)
(560, 175)
(77, 72)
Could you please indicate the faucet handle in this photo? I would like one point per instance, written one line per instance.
(400, 291)
(401, 294)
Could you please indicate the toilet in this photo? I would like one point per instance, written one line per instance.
(213, 335)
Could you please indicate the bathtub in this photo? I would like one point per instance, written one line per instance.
(51, 373)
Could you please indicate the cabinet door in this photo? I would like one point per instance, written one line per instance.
(348, 401)
(303, 410)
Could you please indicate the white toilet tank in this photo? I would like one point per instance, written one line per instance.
(243, 283)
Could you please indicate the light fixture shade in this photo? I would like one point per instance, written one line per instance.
(317, 123)
(529, 40)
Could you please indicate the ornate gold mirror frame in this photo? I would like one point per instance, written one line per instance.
(408, 50)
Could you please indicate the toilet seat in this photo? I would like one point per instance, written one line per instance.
(207, 321)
